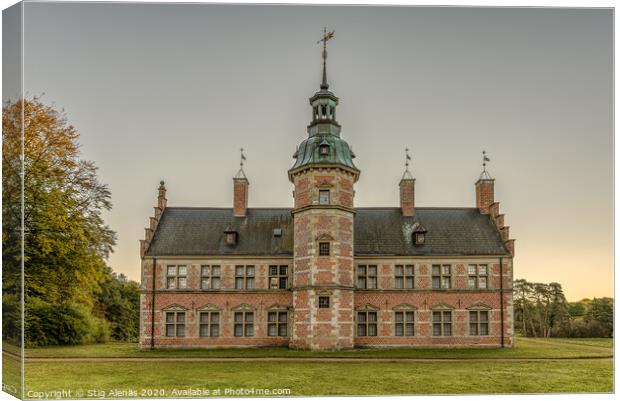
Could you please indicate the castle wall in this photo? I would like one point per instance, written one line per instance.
(328, 330)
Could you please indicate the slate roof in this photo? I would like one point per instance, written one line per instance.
(184, 231)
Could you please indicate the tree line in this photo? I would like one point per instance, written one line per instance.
(541, 310)
(71, 295)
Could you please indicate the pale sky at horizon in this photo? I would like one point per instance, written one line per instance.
(171, 92)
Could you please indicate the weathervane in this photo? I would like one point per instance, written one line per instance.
(242, 158)
(326, 37)
(407, 174)
(485, 159)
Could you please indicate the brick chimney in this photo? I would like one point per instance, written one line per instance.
(240, 196)
(407, 196)
(485, 194)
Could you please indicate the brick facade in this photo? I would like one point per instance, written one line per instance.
(251, 277)
(311, 327)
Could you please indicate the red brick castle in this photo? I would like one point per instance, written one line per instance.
(324, 274)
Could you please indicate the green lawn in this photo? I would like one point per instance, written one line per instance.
(11, 375)
(590, 369)
(326, 378)
(525, 348)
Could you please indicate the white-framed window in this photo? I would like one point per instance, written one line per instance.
(209, 324)
(210, 277)
(367, 276)
(442, 323)
(278, 277)
(477, 276)
(176, 276)
(244, 324)
(366, 323)
(478, 323)
(244, 277)
(403, 323)
(277, 323)
(441, 276)
(404, 276)
(175, 324)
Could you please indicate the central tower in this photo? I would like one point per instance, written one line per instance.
(324, 176)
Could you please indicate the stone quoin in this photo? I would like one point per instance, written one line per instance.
(325, 275)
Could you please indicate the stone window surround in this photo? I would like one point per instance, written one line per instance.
(176, 277)
(477, 275)
(175, 309)
(209, 309)
(444, 310)
(323, 185)
(322, 293)
(278, 309)
(367, 310)
(442, 275)
(248, 279)
(324, 197)
(245, 310)
(210, 276)
(404, 276)
(479, 307)
(279, 276)
(405, 308)
(366, 276)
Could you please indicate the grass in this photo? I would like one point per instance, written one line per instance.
(525, 348)
(11, 375)
(325, 378)
(589, 370)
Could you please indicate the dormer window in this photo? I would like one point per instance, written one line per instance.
(419, 238)
(324, 150)
(419, 234)
(230, 237)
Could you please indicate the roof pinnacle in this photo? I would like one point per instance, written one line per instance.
(407, 174)
(485, 174)
(326, 36)
(242, 158)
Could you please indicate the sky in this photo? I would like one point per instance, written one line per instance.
(172, 92)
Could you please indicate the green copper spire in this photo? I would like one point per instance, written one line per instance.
(324, 145)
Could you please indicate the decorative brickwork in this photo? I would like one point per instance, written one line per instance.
(485, 194)
(323, 273)
(407, 196)
(240, 196)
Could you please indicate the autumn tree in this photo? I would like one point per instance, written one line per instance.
(66, 241)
